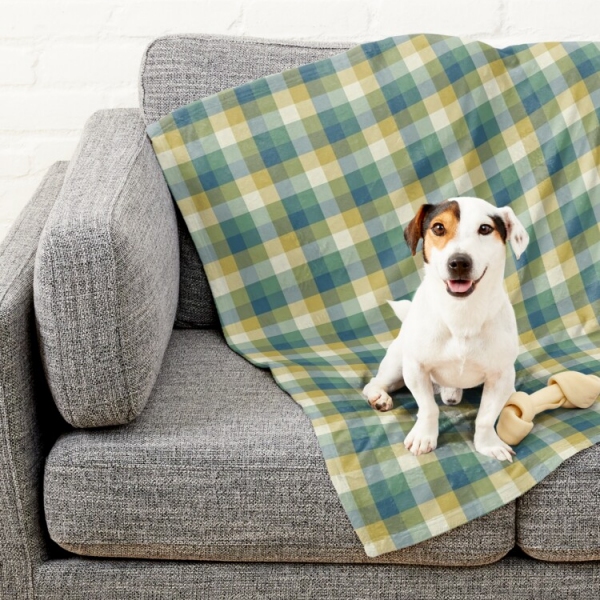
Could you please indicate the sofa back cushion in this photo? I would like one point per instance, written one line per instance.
(177, 70)
(106, 275)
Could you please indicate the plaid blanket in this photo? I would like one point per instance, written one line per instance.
(296, 189)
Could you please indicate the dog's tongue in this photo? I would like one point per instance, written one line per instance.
(458, 286)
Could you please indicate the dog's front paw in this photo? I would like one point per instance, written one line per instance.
(490, 444)
(422, 438)
(377, 397)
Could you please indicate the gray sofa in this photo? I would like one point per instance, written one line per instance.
(141, 458)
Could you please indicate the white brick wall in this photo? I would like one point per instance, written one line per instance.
(60, 60)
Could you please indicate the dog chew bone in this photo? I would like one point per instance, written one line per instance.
(568, 389)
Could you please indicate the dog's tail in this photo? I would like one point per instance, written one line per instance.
(400, 307)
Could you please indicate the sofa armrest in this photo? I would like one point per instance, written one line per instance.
(24, 397)
(106, 279)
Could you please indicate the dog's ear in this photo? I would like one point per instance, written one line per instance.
(414, 230)
(515, 232)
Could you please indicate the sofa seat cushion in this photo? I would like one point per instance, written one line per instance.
(559, 519)
(221, 465)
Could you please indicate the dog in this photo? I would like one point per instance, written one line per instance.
(460, 329)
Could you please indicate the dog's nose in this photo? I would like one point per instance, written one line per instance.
(460, 265)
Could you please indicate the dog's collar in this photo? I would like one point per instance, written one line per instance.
(466, 292)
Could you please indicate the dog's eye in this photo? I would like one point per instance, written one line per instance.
(438, 229)
(485, 229)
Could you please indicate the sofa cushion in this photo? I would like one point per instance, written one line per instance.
(106, 275)
(179, 69)
(559, 519)
(221, 465)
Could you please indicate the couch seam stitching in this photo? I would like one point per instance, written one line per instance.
(118, 313)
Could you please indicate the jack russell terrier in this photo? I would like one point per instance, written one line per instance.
(460, 330)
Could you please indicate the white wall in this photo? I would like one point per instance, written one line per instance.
(60, 60)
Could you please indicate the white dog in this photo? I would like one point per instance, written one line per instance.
(460, 330)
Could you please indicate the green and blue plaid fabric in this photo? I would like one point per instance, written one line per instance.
(296, 189)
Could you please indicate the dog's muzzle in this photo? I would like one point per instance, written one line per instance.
(460, 284)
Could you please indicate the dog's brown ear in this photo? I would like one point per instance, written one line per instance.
(414, 230)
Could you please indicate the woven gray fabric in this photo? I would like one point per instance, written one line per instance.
(180, 69)
(23, 397)
(177, 70)
(509, 579)
(196, 306)
(559, 518)
(221, 465)
(106, 275)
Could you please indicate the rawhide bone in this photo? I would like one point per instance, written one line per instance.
(568, 389)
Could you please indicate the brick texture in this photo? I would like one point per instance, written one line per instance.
(60, 60)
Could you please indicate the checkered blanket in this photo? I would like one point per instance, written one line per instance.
(296, 189)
